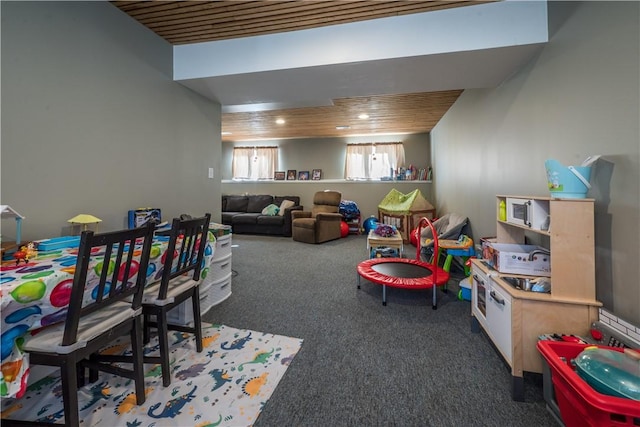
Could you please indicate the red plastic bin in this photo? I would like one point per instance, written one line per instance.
(580, 405)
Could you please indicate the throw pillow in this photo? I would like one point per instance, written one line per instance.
(270, 210)
(284, 205)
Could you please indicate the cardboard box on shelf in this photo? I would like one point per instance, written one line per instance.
(516, 259)
(139, 217)
(485, 243)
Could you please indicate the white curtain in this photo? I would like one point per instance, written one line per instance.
(373, 161)
(254, 163)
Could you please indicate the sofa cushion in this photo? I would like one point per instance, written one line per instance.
(279, 199)
(327, 197)
(246, 218)
(237, 203)
(323, 209)
(271, 210)
(308, 223)
(258, 202)
(276, 220)
(227, 217)
(284, 205)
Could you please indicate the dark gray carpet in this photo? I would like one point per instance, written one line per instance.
(363, 364)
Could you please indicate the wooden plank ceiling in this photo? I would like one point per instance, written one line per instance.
(181, 22)
(405, 113)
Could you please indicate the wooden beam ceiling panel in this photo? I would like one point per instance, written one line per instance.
(405, 113)
(197, 21)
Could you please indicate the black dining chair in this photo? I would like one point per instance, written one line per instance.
(105, 266)
(180, 282)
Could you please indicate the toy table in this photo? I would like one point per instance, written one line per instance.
(376, 241)
(457, 248)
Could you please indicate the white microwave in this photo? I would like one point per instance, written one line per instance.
(528, 213)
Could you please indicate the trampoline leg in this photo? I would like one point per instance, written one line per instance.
(384, 294)
(435, 302)
(358, 282)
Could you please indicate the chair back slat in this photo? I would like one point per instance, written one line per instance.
(190, 236)
(117, 286)
(109, 281)
(104, 272)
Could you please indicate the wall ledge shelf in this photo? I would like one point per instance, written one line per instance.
(320, 181)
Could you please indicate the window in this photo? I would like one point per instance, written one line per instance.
(254, 163)
(373, 161)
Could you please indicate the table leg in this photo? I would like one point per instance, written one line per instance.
(467, 268)
(447, 268)
(447, 263)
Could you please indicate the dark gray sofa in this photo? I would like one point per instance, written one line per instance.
(244, 214)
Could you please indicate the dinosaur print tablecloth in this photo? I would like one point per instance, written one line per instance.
(227, 384)
(36, 294)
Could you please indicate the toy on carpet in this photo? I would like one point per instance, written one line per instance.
(370, 224)
(413, 237)
(344, 229)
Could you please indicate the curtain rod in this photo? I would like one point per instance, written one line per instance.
(256, 146)
(375, 143)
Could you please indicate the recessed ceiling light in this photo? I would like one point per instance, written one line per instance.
(226, 133)
(343, 127)
(363, 116)
(280, 121)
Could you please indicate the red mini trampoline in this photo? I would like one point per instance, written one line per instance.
(406, 273)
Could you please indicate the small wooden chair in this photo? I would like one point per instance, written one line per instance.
(180, 282)
(114, 309)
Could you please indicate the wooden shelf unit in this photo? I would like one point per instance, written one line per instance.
(569, 308)
(571, 242)
(354, 225)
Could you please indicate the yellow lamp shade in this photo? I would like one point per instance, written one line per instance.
(84, 220)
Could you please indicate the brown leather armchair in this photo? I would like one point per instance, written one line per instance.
(322, 223)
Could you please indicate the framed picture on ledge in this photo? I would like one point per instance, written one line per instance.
(303, 176)
(291, 175)
(316, 174)
(278, 176)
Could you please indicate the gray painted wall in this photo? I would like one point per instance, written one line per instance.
(93, 123)
(580, 96)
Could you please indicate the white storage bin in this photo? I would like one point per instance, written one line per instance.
(219, 291)
(183, 314)
(223, 246)
(219, 268)
(215, 287)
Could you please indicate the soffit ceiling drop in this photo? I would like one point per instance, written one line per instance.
(405, 93)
